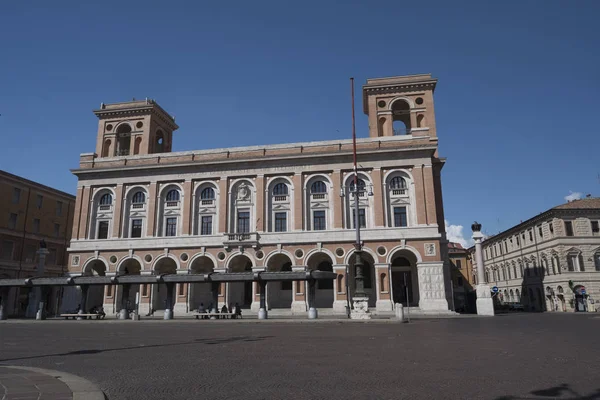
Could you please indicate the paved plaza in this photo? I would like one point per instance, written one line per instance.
(516, 356)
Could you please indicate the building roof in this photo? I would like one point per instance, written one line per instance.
(454, 245)
(581, 204)
(38, 186)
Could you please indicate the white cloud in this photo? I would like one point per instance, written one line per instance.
(573, 196)
(454, 233)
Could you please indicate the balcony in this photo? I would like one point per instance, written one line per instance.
(398, 192)
(245, 239)
(318, 196)
(137, 205)
(172, 204)
(280, 198)
(207, 202)
(105, 208)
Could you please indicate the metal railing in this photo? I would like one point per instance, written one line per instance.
(123, 152)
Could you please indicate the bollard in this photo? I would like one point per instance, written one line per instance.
(262, 313)
(399, 310)
(313, 313)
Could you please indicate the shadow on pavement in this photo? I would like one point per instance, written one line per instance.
(563, 391)
(210, 341)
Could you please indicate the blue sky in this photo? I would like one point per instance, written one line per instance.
(516, 100)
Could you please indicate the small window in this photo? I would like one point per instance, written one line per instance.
(458, 264)
(206, 225)
(518, 241)
(207, 194)
(318, 187)
(103, 230)
(7, 250)
(569, 228)
(171, 227)
(173, 195)
(16, 198)
(145, 290)
(280, 189)
(459, 281)
(280, 222)
(319, 220)
(36, 225)
(30, 254)
(595, 227)
(505, 247)
(540, 232)
(56, 230)
(109, 291)
(12, 221)
(138, 198)
(106, 199)
(400, 218)
(243, 222)
(551, 226)
(530, 236)
(59, 207)
(136, 228)
(51, 257)
(361, 218)
(39, 201)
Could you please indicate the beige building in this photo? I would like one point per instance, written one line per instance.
(142, 209)
(32, 212)
(463, 278)
(550, 262)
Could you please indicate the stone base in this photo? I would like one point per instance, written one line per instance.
(399, 312)
(361, 308)
(298, 307)
(339, 306)
(255, 306)
(168, 314)
(312, 313)
(123, 314)
(384, 305)
(485, 304)
(262, 313)
(433, 304)
(180, 308)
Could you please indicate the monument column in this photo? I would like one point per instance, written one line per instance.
(485, 304)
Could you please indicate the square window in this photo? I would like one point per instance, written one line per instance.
(59, 206)
(16, 195)
(243, 222)
(7, 250)
(400, 218)
(136, 228)
(56, 230)
(103, 230)
(280, 222)
(595, 227)
(39, 201)
(319, 220)
(12, 221)
(36, 225)
(361, 218)
(206, 225)
(171, 227)
(569, 228)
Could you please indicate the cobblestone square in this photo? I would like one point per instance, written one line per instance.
(505, 357)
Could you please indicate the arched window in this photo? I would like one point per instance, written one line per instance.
(123, 140)
(318, 187)
(397, 183)
(280, 189)
(207, 194)
(106, 199)
(401, 118)
(106, 147)
(420, 121)
(136, 146)
(173, 195)
(138, 198)
(361, 187)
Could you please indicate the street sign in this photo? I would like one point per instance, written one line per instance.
(495, 289)
(583, 291)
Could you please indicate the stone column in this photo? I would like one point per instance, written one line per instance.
(312, 310)
(298, 296)
(384, 297)
(262, 311)
(3, 303)
(169, 308)
(432, 291)
(255, 306)
(340, 301)
(485, 304)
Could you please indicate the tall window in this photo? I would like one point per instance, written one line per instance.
(243, 222)
(103, 230)
(171, 228)
(206, 225)
(16, 195)
(551, 227)
(136, 228)
(36, 225)
(280, 222)
(12, 221)
(361, 188)
(56, 230)
(319, 220)
(398, 185)
(7, 250)
(138, 198)
(39, 201)
(530, 236)
(458, 264)
(595, 227)
(361, 218)
(569, 228)
(59, 206)
(400, 219)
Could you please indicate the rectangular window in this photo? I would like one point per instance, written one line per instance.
(362, 220)
(51, 257)
(540, 232)
(595, 227)
(56, 230)
(551, 226)
(7, 250)
(30, 254)
(459, 281)
(36, 225)
(103, 230)
(180, 291)
(280, 222)
(518, 241)
(530, 236)
(136, 228)
(16, 195)
(206, 225)
(12, 221)
(319, 220)
(400, 219)
(458, 264)
(59, 206)
(569, 228)
(39, 201)
(171, 227)
(243, 222)
(109, 291)
(505, 247)
(145, 290)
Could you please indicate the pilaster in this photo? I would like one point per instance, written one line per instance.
(298, 293)
(260, 204)
(383, 280)
(151, 217)
(186, 215)
(338, 215)
(117, 221)
(223, 199)
(340, 301)
(379, 203)
(297, 180)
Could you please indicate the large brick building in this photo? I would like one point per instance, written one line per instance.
(142, 209)
(32, 212)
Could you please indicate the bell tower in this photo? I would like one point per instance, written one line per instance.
(400, 105)
(133, 128)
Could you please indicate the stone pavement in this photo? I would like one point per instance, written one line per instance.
(23, 383)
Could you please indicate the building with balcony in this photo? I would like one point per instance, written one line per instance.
(550, 262)
(142, 209)
(32, 213)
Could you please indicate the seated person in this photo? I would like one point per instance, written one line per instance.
(224, 310)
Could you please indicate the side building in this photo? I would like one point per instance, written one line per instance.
(32, 213)
(550, 262)
(142, 209)
(463, 278)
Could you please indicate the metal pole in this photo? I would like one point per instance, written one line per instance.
(407, 299)
(359, 290)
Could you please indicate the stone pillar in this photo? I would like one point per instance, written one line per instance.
(485, 304)
(169, 308)
(338, 214)
(152, 207)
(312, 310)
(187, 211)
(3, 303)
(83, 301)
(116, 232)
(262, 311)
(340, 301)
(38, 294)
(298, 296)
(432, 291)
(255, 306)
(384, 297)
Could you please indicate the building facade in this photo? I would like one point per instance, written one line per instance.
(142, 209)
(463, 278)
(32, 212)
(550, 262)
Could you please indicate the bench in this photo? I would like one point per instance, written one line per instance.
(84, 316)
(217, 315)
